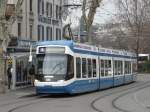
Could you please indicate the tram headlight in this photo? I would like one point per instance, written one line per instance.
(35, 81)
(42, 50)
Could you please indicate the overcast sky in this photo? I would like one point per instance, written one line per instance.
(104, 13)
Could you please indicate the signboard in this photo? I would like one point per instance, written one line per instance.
(16, 45)
(20, 43)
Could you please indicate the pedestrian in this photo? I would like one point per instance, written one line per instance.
(32, 74)
(9, 75)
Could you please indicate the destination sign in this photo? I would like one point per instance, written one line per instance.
(60, 50)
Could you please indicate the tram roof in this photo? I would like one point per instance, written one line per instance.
(81, 46)
(57, 42)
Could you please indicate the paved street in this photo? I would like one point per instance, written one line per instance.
(129, 98)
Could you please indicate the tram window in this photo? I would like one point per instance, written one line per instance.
(115, 67)
(127, 67)
(118, 67)
(121, 67)
(106, 67)
(102, 68)
(78, 67)
(109, 68)
(120, 71)
(70, 68)
(89, 68)
(134, 67)
(84, 68)
(94, 67)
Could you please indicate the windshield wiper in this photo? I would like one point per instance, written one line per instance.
(56, 66)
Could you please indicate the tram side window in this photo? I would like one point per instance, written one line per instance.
(78, 67)
(118, 67)
(109, 68)
(102, 68)
(70, 68)
(84, 68)
(106, 67)
(134, 67)
(115, 67)
(94, 67)
(89, 68)
(127, 67)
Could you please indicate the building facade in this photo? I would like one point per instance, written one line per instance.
(37, 20)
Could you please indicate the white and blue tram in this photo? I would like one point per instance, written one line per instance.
(68, 67)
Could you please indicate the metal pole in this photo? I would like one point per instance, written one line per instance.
(79, 33)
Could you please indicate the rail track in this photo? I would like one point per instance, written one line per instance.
(122, 93)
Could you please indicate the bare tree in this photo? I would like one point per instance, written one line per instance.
(88, 12)
(134, 14)
(8, 15)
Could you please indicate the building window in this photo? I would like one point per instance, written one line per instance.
(31, 32)
(19, 30)
(43, 7)
(42, 32)
(58, 34)
(31, 2)
(39, 32)
(49, 33)
(40, 7)
(49, 9)
(57, 12)
(60, 12)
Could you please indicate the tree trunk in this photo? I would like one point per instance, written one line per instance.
(89, 35)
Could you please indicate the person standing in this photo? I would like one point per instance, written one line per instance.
(32, 73)
(9, 75)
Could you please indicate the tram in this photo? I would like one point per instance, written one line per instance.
(68, 67)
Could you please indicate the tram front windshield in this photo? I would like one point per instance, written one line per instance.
(52, 67)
